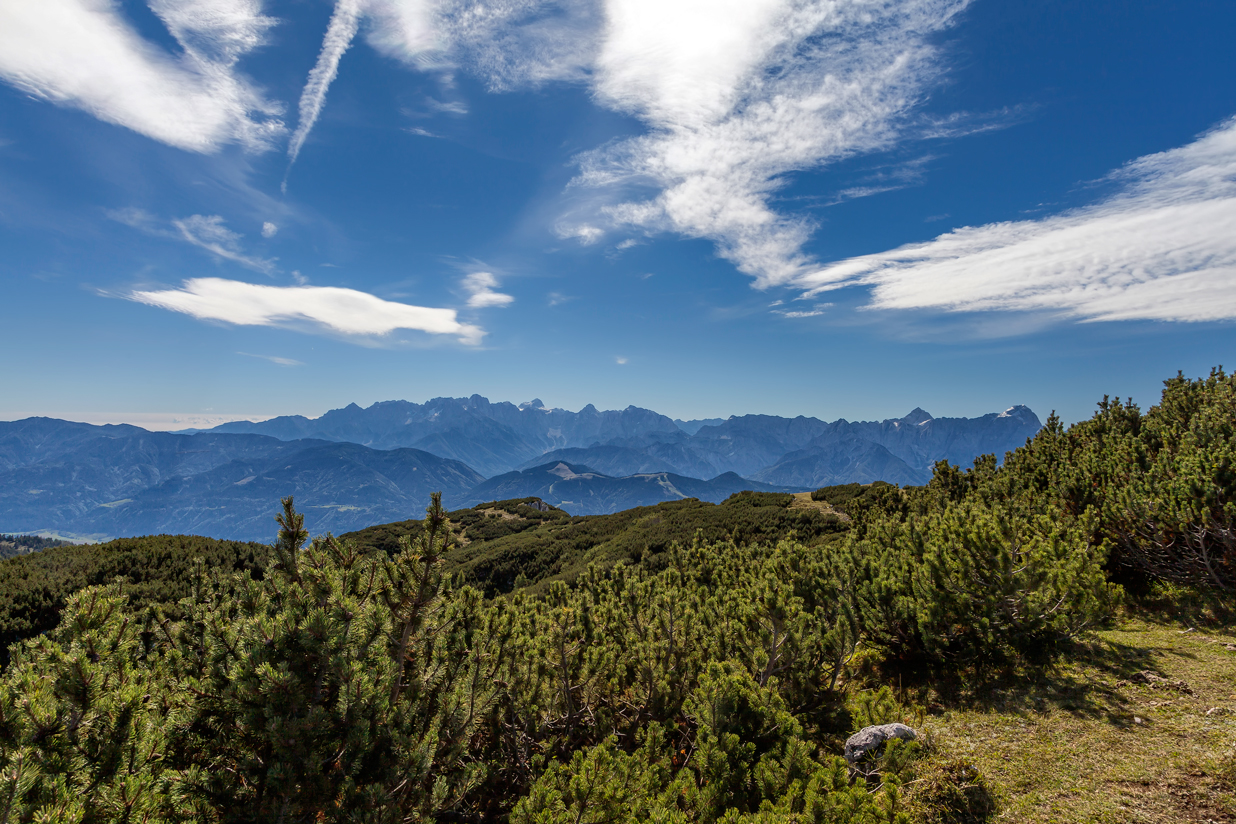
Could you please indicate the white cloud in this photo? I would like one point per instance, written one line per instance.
(278, 361)
(81, 53)
(1162, 248)
(620, 360)
(738, 94)
(339, 34)
(480, 287)
(269, 229)
(329, 309)
(510, 43)
(585, 233)
(209, 233)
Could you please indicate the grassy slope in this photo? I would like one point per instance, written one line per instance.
(1083, 743)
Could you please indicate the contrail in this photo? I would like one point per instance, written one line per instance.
(343, 25)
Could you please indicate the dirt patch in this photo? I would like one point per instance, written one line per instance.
(802, 500)
(1180, 797)
(1157, 682)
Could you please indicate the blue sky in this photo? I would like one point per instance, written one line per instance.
(213, 209)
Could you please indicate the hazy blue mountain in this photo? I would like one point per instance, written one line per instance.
(364, 466)
(490, 437)
(339, 486)
(691, 427)
(36, 439)
(581, 491)
(841, 462)
(78, 479)
(767, 447)
(920, 440)
(615, 461)
(495, 438)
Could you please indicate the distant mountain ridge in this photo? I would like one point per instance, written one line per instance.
(495, 438)
(492, 438)
(113, 481)
(354, 467)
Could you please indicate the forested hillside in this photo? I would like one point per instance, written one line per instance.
(673, 681)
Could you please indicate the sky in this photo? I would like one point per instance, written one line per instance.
(223, 209)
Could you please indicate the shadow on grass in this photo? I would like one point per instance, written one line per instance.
(1186, 606)
(1080, 679)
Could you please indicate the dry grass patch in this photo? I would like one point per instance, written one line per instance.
(802, 500)
(1138, 725)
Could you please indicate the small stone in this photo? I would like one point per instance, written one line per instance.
(869, 738)
(1216, 711)
(1137, 719)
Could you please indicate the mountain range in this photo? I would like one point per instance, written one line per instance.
(495, 438)
(354, 467)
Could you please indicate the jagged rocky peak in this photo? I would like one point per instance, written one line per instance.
(917, 415)
(1019, 411)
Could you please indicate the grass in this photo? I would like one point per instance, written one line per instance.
(1085, 742)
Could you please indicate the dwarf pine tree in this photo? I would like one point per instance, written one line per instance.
(970, 584)
(88, 721)
(340, 686)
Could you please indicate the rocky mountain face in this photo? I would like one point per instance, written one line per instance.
(581, 491)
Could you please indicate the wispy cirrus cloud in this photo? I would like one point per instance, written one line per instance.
(83, 54)
(329, 309)
(275, 359)
(339, 33)
(209, 232)
(1162, 248)
(510, 43)
(480, 287)
(736, 96)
